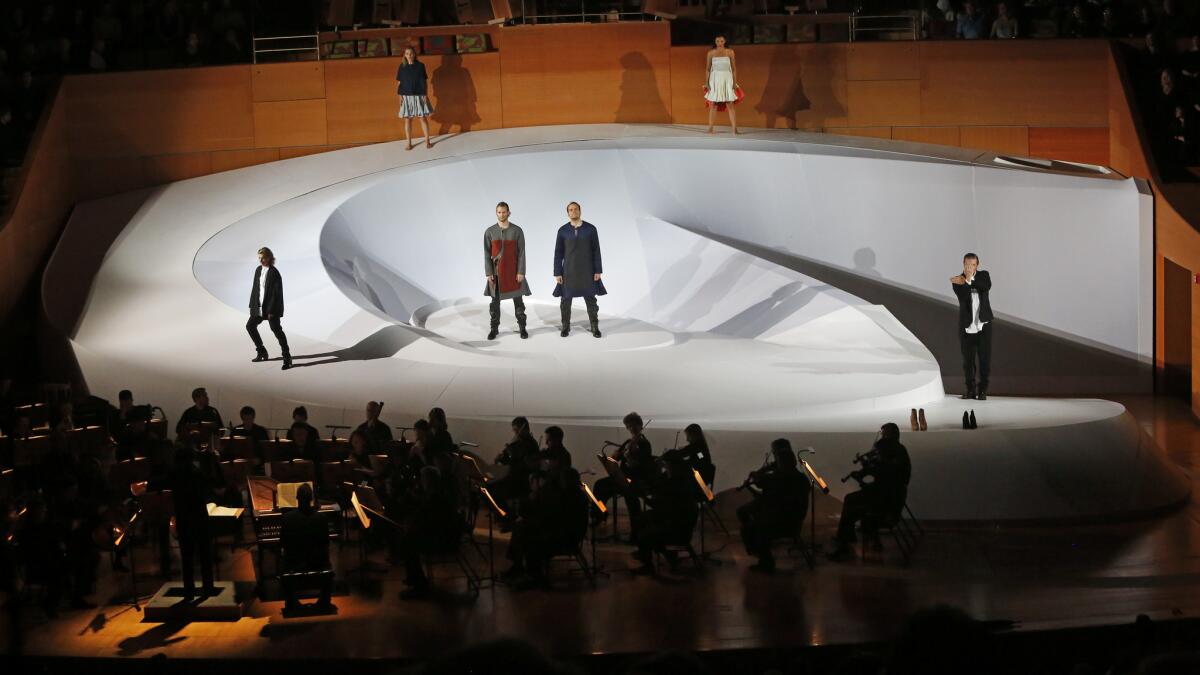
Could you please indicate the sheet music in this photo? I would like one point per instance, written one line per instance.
(286, 494)
(215, 511)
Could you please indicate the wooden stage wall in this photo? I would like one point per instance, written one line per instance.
(113, 132)
(1039, 98)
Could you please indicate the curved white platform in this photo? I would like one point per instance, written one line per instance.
(382, 268)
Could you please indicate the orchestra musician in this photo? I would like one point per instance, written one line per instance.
(249, 429)
(883, 479)
(554, 456)
(431, 524)
(305, 442)
(304, 537)
(128, 425)
(780, 503)
(439, 431)
(193, 480)
(696, 453)
(200, 412)
(553, 519)
(636, 457)
(671, 516)
(300, 416)
(518, 455)
(378, 432)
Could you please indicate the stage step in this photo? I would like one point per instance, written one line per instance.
(168, 604)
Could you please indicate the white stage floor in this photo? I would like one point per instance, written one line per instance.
(379, 251)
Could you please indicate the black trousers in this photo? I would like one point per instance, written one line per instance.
(276, 328)
(761, 525)
(606, 488)
(518, 306)
(855, 507)
(195, 540)
(593, 310)
(976, 346)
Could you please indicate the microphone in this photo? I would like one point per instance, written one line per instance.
(810, 450)
(468, 444)
(400, 428)
(608, 443)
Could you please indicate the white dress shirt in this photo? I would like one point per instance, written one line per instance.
(262, 286)
(976, 324)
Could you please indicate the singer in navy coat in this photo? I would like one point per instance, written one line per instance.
(577, 266)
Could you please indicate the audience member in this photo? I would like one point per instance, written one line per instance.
(1005, 25)
(1078, 23)
(1110, 27)
(1182, 137)
(1189, 61)
(12, 145)
(971, 23)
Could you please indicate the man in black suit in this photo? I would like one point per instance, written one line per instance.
(266, 304)
(193, 479)
(974, 323)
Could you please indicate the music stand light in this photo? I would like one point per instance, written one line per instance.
(595, 502)
(816, 479)
(708, 494)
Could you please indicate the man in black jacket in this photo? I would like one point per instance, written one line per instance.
(266, 304)
(305, 540)
(193, 479)
(974, 323)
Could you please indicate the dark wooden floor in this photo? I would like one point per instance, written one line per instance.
(1038, 577)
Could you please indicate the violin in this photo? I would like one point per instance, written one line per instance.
(868, 461)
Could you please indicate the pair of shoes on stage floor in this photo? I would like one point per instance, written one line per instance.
(969, 421)
(916, 419)
(980, 395)
(262, 356)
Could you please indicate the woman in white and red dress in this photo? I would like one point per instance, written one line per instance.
(720, 86)
(504, 266)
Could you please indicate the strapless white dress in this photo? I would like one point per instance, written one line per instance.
(720, 81)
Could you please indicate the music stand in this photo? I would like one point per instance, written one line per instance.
(124, 539)
(368, 508)
(817, 482)
(480, 480)
(592, 526)
(613, 468)
(709, 497)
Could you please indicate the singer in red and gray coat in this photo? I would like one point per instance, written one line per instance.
(504, 266)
